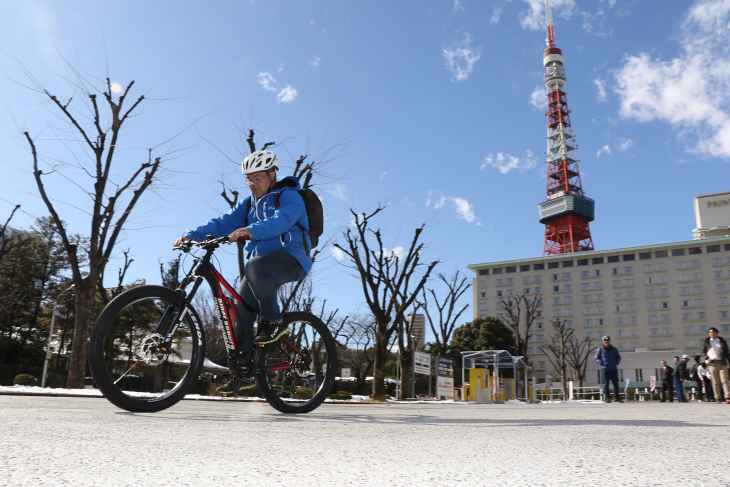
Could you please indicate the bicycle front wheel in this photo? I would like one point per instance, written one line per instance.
(296, 373)
(137, 360)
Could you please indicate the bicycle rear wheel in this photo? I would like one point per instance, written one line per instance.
(136, 362)
(296, 373)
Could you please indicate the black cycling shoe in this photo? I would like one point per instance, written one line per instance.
(229, 387)
(271, 331)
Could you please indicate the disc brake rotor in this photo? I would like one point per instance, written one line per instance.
(149, 350)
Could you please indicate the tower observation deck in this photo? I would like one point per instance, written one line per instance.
(567, 211)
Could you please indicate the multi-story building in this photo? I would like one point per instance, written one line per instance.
(418, 329)
(653, 297)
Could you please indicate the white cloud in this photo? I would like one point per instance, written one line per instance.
(601, 86)
(287, 95)
(458, 6)
(339, 191)
(496, 15)
(464, 210)
(691, 91)
(538, 98)
(460, 58)
(534, 17)
(603, 150)
(338, 254)
(625, 144)
(266, 81)
(398, 252)
(315, 62)
(507, 162)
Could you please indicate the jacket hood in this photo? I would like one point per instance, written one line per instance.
(287, 182)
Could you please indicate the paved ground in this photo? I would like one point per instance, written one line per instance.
(58, 441)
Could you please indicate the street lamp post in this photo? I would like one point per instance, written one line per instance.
(50, 336)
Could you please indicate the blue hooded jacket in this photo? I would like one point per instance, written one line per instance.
(271, 228)
(608, 358)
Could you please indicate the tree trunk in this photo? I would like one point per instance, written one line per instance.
(406, 374)
(381, 356)
(77, 366)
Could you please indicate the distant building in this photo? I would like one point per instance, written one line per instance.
(661, 298)
(418, 329)
(712, 212)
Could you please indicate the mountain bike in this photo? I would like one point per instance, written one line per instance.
(147, 348)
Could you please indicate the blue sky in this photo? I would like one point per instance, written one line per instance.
(439, 104)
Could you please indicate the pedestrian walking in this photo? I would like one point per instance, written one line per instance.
(680, 375)
(608, 358)
(665, 374)
(715, 350)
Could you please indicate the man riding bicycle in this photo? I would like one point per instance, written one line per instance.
(277, 230)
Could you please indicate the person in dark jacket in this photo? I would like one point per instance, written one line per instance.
(696, 374)
(680, 375)
(715, 350)
(665, 374)
(608, 358)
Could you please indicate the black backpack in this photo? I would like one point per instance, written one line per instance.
(315, 215)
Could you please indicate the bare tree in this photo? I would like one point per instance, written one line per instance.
(578, 353)
(558, 346)
(91, 122)
(386, 282)
(5, 242)
(442, 322)
(520, 312)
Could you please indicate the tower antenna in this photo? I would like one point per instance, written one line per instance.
(567, 211)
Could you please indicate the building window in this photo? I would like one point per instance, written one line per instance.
(691, 343)
(725, 328)
(620, 308)
(651, 306)
(694, 264)
(666, 330)
(664, 305)
(498, 282)
(555, 277)
(668, 344)
(701, 315)
(628, 257)
(483, 272)
(620, 321)
(556, 300)
(628, 270)
(653, 345)
(628, 282)
(644, 255)
(633, 333)
(718, 274)
(650, 293)
(538, 290)
(567, 263)
(713, 248)
(526, 280)
(567, 287)
(538, 267)
(648, 268)
(634, 346)
(566, 275)
(588, 323)
(589, 334)
(582, 261)
(616, 271)
(553, 265)
(664, 292)
(653, 318)
(686, 303)
(613, 258)
(599, 309)
(538, 278)
(722, 301)
(695, 250)
(699, 302)
(666, 318)
(500, 294)
(724, 314)
(702, 329)
(677, 252)
(525, 268)
(599, 322)
(697, 289)
(511, 269)
(597, 260)
(617, 283)
(621, 346)
(585, 285)
(509, 281)
(659, 254)
(686, 316)
(661, 267)
(598, 297)
(568, 300)
(720, 288)
(689, 330)
(482, 294)
(696, 276)
(654, 332)
(717, 261)
(630, 307)
(586, 298)
(482, 283)
(683, 290)
(556, 289)
(483, 306)
(587, 310)
(681, 265)
(497, 271)
(597, 285)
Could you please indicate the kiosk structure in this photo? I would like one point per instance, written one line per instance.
(484, 387)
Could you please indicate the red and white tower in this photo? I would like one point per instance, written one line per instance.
(567, 211)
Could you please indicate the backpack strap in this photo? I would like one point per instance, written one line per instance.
(299, 225)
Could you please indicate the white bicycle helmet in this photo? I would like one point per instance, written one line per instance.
(261, 160)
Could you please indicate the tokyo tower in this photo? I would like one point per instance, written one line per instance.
(567, 211)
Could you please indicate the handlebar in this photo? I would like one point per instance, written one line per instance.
(209, 243)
